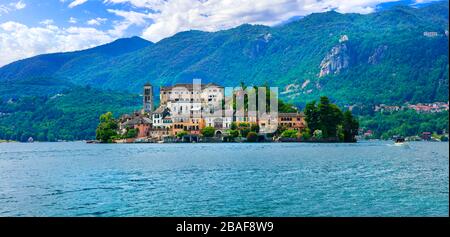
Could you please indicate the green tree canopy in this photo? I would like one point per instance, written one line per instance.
(234, 133)
(350, 126)
(330, 116)
(107, 128)
(182, 134)
(329, 119)
(290, 134)
(132, 133)
(252, 137)
(208, 131)
(312, 116)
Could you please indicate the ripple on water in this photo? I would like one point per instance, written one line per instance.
(283, 179)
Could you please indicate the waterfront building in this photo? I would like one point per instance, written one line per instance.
(189, 125)
(192, 107)
(204, 93)
(267, 124)
(158, 134)
(294, 121)
(159, 118)
(122, 123)
(141, 123)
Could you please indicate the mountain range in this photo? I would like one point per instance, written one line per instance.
(393, 56)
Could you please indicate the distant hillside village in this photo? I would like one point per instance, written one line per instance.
(202, 113)
(436, 107)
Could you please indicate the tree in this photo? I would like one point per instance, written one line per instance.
(329, 119)
(243, 86)
(107, 129)
(305, 134)
(286, 108)
(182, 134)
(254, 128)
(244, 125)
(252, 137)
(244, 132)
(233, 126)
(350, 126)
(317, 134)
(312, 116)
(330, 116)
(106, 117)
(208, 132)
(234, 133)
(132, 133)
(289, 134)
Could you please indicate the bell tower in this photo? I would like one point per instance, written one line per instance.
(148, 98)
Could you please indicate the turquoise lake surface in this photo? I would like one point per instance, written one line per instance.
(269, 179)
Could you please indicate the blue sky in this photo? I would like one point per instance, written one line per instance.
(92, 13)
(32, 27)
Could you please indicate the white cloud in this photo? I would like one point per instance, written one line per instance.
(20, 5)
(130, 18)
(19, 41)
(172, 16)
(7, 8)
(3, 10)
(76, 3)
(97, 21)
(47, 22)
(73, 20)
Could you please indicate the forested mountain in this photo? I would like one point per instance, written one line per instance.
(32, 70)
(70, 115)
(391, 56)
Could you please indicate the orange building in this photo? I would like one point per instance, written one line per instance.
(294, 121)
(143, 130)
(190, 125)
(143, 124)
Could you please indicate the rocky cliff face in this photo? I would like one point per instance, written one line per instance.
(336, 60)
(377, 55)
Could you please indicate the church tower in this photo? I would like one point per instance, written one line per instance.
(148, 98)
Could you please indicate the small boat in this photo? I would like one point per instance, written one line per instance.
(399, 141)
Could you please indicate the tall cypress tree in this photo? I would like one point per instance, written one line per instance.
(351, 127)
(328, 117)
(312, 116)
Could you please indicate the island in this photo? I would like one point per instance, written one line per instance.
(203, 113)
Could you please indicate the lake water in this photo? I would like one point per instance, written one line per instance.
(277, 179)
